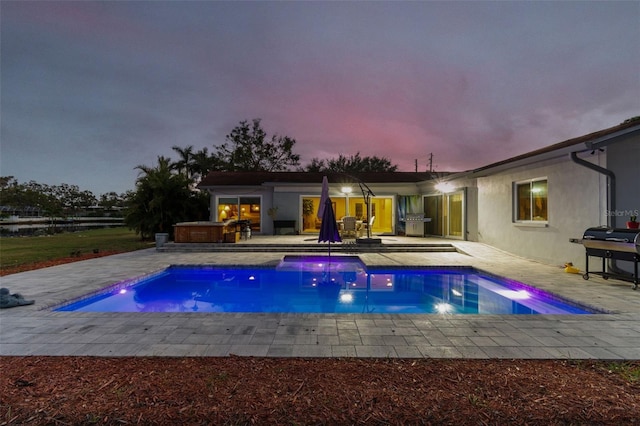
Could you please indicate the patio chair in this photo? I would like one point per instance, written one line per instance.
(349, 227)
(369, 225)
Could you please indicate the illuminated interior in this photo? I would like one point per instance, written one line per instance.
(240, 208)
(381, 208)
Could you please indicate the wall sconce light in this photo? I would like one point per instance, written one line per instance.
(445, 187)
(346, 190)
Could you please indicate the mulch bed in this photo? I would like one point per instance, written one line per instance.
(244, 390)
(256, 391)
(54, 262)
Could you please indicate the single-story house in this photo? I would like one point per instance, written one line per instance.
(531, 205)
(294, 197)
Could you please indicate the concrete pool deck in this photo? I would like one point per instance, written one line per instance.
(37, 330)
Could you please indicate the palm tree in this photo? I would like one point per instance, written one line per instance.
(162, 198)
(185, 164)
(203, 163)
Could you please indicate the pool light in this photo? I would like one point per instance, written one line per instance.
(346, 297)
(443, 308)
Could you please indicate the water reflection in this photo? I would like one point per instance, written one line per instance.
(318, 287)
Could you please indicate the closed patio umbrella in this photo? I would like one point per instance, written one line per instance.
(324, 196)
(329, 227)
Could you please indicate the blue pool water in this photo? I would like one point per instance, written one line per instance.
(323, 285)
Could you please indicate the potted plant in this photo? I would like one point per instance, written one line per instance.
(632, 224)
(307, 213)
(273, 212)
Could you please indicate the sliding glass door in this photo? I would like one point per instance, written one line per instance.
(454, 214)
(381, 212)
(433, 211)
(446, 212)
(240, 208)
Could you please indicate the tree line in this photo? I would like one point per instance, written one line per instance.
(248, 148)
(34, 198)
(166, 193)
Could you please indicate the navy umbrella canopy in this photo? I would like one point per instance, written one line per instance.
(324, 195)
(329, 228)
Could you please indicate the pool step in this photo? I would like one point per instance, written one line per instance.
(307, 248)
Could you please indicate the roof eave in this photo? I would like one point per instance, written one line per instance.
(612, 138)
(579, 144)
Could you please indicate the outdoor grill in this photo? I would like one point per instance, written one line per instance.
(612, 243)
(415, 225)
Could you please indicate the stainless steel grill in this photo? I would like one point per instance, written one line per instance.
(612, 243)
(415, 224)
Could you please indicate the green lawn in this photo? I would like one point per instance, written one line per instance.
(16, 251)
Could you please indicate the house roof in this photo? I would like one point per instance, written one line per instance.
(262, 178)
(587, 142)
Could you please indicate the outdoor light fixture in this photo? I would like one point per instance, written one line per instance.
(346, 190)
(444, 187)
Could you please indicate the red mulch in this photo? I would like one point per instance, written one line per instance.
(54, 262)
(256, 391)
(243, 391)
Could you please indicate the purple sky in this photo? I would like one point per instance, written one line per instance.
(92, 89)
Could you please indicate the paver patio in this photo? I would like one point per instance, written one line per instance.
(37, 330)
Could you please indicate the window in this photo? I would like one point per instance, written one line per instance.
(530, 201)
(240, 208)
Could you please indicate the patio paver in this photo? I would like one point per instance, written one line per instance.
(36, 330)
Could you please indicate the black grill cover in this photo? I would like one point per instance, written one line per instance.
(612, 239)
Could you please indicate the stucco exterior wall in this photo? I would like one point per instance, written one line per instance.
(576, 201)
(623, 159)
(288, 204)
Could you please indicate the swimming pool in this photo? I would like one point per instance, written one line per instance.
(319, 284)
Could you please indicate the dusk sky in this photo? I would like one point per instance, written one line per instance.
(90, 90)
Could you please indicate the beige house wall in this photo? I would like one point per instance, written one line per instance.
(576, 201)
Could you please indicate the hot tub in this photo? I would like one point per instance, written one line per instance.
(205, 232)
